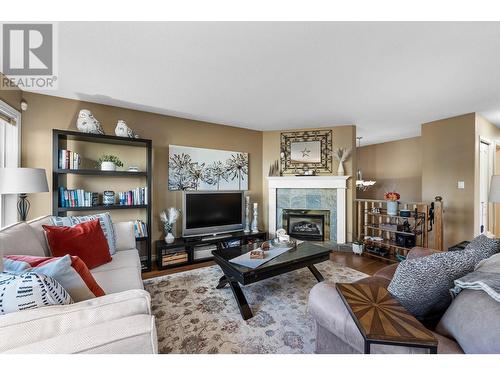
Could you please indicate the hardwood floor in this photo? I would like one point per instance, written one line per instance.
(361, 263)
(156, 272)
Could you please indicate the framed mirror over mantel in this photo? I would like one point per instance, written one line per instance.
(306, 152)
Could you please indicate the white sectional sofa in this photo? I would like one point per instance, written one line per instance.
(119, 322)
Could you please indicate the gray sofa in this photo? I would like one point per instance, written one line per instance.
(336, 331)
(119, 322)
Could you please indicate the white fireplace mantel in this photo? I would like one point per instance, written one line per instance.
(310, 182)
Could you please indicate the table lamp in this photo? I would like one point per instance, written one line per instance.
(23, 181)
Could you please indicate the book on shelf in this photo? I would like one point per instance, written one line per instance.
(69, 159)
(140, 229)
(137, 196)
(77, 198)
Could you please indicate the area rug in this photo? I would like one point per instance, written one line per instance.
(192, 316)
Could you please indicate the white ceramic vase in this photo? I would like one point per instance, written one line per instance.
(340, 170)
(108, 166)
(169, 238)
(392, 208)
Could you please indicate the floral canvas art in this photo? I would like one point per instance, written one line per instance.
(193, 168)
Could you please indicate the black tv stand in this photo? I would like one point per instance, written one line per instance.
(187, 246)
(216, 236)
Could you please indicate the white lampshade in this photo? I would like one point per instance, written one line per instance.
(495, 189)
(23, 180)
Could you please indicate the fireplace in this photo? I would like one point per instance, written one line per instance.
(309, 193)
(312, 225)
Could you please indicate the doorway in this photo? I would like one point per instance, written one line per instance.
(485, 173)
(496, 206)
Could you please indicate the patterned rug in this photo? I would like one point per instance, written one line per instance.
(194, 317)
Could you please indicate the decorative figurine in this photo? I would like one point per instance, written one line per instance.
(280, 232)
(281, 235)
(87, 123)
(122, 130)
(255, 225)
(247, 214)
(257, 254)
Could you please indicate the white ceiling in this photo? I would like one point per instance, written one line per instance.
(387, 78)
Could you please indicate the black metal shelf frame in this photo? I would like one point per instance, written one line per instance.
(59, 177)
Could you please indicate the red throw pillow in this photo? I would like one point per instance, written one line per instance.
(85, 240)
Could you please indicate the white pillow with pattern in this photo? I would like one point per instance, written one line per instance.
(30, 290)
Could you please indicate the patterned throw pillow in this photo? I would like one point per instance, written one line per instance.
(486, 246)
(104, 220)
(69, 271)
(28, 291)
(422, 285)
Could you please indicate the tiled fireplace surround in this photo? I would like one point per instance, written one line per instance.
(309, 193)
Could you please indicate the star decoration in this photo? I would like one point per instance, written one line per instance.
(305, 152)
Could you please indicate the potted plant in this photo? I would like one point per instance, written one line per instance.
(341, 154)
(168, 218)
(358, 247)
(392, 199)
(109, 162)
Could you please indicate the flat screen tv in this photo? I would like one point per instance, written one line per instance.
(212, 212)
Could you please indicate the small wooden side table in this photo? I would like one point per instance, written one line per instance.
(382, 320)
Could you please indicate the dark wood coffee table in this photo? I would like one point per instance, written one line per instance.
(382, 320)
(304, 255)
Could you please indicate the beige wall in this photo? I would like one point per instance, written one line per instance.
(448, 148)
(430, 165)
(343, 136)
(445, 154)
(11, 97)
(46, 113)
(395, 166)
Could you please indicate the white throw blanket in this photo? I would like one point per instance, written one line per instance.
(485, 277)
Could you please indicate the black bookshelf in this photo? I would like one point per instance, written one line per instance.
(96, 172)
(102, 207)
(59, 178)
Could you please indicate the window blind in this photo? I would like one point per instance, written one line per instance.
(7, 119)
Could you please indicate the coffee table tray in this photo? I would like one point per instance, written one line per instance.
(245, 260)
